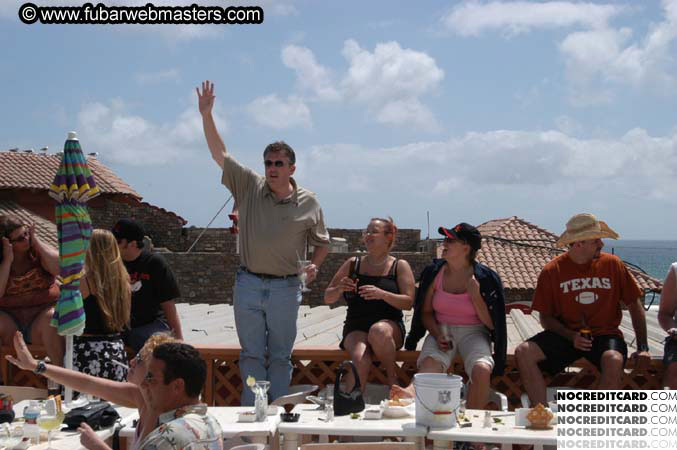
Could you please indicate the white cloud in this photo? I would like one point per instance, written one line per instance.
(409, 111)
(388, 73)
(311, 76)
(471, 18)
(158, 76)
(599, 60)
(121, 136)
(389, 81)
(271, 111)
(633, 166)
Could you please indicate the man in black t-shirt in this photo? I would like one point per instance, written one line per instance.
(154, 287)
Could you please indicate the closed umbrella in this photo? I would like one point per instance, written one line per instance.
(73, 186)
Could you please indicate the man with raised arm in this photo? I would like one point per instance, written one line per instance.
(278, 220)
(579, 295)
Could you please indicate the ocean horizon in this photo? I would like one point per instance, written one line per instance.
(652, 256)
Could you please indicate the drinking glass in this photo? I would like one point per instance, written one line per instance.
(301, 266)
(49, 421)
(260, 390)
(329, 405)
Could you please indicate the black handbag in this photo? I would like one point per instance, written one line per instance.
(347, 402)
(96, 414)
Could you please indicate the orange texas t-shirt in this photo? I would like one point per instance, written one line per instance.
(570, 291)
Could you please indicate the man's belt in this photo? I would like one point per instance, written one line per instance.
(266, 276)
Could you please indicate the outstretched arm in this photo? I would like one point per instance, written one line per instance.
(122, 393)
(214, 141)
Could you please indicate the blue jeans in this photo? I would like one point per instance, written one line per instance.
(137, 337)
(265, 317)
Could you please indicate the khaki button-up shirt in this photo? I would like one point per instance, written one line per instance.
(273, 233)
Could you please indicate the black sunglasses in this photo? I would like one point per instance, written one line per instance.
(269, 163)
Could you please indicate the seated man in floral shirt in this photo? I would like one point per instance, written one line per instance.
(176, 375)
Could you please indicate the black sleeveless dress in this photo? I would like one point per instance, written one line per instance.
(362, 314)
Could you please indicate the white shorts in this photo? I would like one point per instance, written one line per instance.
(473, 341)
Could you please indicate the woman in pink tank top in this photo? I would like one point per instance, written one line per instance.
(457, 317)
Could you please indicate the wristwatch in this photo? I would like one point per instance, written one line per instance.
(643, 348)
(41, 367)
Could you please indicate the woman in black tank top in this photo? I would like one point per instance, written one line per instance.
(376, 287)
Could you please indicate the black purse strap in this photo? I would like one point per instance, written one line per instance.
(341, 371)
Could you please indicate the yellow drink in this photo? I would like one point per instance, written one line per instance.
(50, 423)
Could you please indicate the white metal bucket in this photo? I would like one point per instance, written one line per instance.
(438, 395)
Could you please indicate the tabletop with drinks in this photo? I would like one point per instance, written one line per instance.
(37, 425)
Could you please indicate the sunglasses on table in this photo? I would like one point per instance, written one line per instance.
(269, 163)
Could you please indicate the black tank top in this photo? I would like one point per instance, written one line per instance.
(94, 323)
(361, 309)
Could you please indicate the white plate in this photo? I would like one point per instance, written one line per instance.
(242, 417)
(395, 412)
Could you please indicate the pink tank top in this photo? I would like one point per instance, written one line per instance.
(453, 309)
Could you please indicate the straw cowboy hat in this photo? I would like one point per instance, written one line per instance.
(585, 226)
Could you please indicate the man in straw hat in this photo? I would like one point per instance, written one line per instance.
(579, 296)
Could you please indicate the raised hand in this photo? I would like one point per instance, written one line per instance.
(24, 360)
(206, 97)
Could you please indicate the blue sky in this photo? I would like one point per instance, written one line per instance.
(469, 110)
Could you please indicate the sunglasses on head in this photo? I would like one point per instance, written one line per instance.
(269, 163)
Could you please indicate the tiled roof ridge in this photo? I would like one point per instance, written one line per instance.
(26, 170)
(166, 211)
(499, 233)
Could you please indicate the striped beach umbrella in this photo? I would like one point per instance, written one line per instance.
(73, 186)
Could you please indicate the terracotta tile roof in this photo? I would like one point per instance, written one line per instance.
(181, 220)
(36, 171)
(518, 250)
(45, 229)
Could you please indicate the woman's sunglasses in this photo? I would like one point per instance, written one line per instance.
(23, 237)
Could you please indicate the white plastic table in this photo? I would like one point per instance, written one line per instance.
(505, 433)
(312, 422)
(260, 432)
(70, 440)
